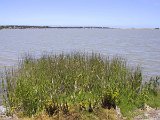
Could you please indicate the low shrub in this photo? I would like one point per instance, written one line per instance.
(58, 83)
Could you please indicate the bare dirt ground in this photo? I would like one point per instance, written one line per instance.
(149, 114)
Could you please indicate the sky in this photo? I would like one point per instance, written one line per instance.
(109, 13)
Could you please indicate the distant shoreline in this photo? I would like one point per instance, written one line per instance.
(65, 27)
(41, 27)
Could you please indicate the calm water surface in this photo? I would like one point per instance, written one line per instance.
(140, 47)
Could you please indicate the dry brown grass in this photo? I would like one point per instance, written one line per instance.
(98, 114)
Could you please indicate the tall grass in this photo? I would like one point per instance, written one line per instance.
(62, 82)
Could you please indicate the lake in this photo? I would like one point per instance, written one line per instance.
(138, 46)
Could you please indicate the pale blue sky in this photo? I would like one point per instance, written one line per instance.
(112, 13)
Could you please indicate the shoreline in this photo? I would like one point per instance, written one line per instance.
(69, 27)
(59, 27)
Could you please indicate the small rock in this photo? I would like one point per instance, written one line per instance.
(2, 110)
(118, 111)
(146, 115)
(147, 108)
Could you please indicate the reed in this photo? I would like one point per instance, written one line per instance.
(62, 82)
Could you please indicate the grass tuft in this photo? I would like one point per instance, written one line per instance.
(84, 82)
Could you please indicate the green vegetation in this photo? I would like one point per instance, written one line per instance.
(80, 82)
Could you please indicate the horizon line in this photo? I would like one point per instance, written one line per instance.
(83, 26)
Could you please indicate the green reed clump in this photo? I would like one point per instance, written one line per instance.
(58, 83)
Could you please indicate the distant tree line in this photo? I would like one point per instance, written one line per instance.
(21, 27)
(26, 27)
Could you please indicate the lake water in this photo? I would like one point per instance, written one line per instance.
(140, 47)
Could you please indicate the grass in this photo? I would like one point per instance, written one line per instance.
(104, 114)
(81, 82)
